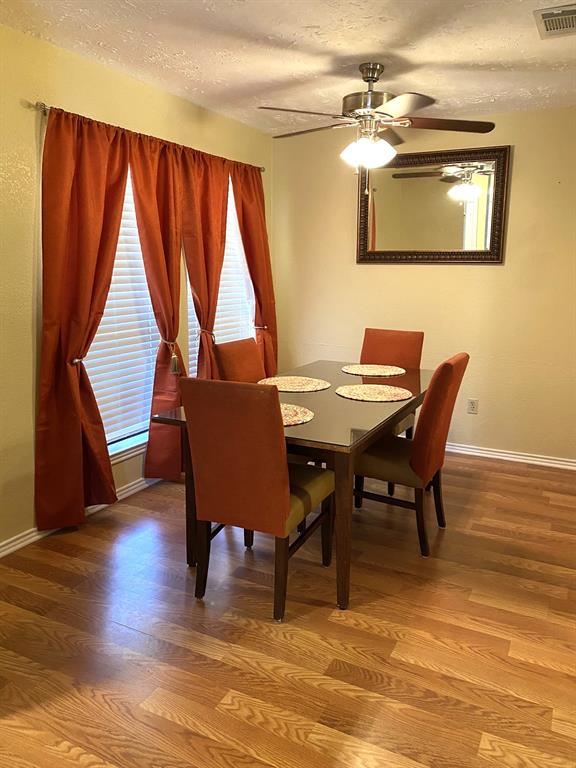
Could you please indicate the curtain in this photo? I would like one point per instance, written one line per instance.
(84, 173)
(205, 181)
(156, 180)
(372, 221)
(249, 197)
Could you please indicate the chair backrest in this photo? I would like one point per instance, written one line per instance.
(433, 424)
(238, 453)
(384, 347)
(240, 361)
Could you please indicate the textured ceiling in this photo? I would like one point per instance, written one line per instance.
(234, 55)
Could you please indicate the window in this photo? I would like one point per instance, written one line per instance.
(236, 306)
(122, 357)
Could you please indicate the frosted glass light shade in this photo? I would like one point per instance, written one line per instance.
(368, 153)
(464, 192)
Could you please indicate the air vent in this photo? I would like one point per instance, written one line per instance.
(554, 22)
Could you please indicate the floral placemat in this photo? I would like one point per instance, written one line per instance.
(374, 393)
(296, 383)
(295, 414)
(374, 370)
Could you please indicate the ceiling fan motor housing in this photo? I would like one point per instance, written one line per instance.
(364, 102)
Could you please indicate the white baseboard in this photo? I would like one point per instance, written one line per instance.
(525, 458)
(33, 534)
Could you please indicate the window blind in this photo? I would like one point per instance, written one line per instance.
(122, 357)
(236, 305)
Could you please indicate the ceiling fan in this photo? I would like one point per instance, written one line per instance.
(376, 114)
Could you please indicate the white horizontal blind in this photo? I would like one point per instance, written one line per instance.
(236, 305)
(122, 357)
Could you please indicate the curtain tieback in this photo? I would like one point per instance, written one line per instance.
(77, 360)
(174, 361)
(210, 333)
(261, 327)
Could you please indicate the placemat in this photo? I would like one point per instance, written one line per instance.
(296, 383)
(295, 414)
(374, 393)
(374, 370)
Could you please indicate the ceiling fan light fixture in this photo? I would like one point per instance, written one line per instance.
(368, 152)
(465, 192)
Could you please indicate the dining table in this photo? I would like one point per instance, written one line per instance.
(340, 429)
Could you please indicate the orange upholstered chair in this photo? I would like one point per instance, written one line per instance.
(416, 463)
(388, 347)
(384, 347)
(242, 476)
(240, 361)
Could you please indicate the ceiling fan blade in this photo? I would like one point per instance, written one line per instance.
(313, 130)
(404, 104)
(390, 136)
(303, 112)
(438, 124)
(417, 174)
(450, 179)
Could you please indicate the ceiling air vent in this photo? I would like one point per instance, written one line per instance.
(554, 22)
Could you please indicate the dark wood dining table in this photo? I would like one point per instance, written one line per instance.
(341, 428)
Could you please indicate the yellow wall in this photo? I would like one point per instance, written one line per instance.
(416, 214)
(517, 320)
(32, 71)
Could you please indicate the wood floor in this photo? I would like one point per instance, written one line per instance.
(463, 660)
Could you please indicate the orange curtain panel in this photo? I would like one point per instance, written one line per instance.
(156, 180)
(249, 197)
(205, 198)
(84, 173)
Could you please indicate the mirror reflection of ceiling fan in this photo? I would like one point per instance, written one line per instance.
(464, 189)
(376, 114)
(448, 173)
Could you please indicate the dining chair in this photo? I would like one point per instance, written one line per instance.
(382, 346)
(418, 462)
(242, 476)
(240, 361)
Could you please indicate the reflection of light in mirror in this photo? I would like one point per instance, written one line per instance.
(368, 153)
(466, 192)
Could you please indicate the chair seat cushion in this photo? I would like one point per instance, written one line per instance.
(309, 486)
(389, 460)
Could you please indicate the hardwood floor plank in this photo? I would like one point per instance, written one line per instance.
(507, 754)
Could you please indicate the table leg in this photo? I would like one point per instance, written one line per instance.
(344, 475)
(190, 502)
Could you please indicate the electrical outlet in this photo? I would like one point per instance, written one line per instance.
(472, 405)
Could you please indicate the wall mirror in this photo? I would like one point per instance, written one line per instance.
(434, 207)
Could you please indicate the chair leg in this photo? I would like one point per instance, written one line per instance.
(302, 526)
(420, 522)
(248, 538)
(410, 433)
(438, 502)
(391, 489)
(358, 490)
(203, 530)
(280, 576)
(327, 531)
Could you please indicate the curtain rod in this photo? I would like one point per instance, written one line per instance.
(45, 108)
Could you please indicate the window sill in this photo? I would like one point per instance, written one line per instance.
(128, 448)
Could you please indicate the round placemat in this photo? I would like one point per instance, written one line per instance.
(296, 383)
(374, 393)
(295, 414)
(374, 370)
